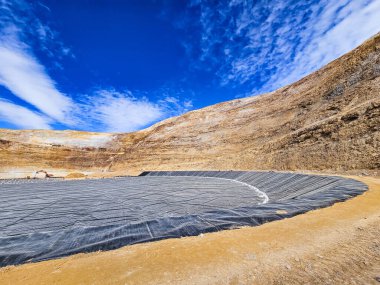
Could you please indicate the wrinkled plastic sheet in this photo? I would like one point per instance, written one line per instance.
(42, 221)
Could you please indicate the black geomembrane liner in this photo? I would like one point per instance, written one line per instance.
(41, 220)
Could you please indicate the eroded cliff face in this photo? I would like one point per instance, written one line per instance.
(58, 152)
(329, 120)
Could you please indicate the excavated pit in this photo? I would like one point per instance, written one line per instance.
(42, 220)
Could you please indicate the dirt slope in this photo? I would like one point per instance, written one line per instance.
(329, 120)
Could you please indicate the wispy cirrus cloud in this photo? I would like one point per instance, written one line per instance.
(23, 75)
(26, 78)
(18, 17)
(115, 111)
(267, 44)
(22, 117)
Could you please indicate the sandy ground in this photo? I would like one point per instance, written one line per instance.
(335, 245)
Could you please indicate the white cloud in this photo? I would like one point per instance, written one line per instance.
(27, 79)
(119, 112)
(113, 111)
(22, 117)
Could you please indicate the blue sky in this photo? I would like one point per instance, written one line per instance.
(120, 66)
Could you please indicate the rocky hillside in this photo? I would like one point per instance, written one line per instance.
(329, 120)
